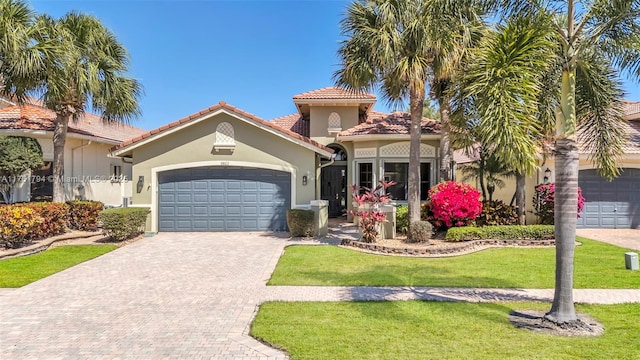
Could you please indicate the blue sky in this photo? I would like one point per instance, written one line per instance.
(252, 54)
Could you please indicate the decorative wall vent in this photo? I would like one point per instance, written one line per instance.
(365, 153)
(225, 139)
(401, 149)
(335, 123)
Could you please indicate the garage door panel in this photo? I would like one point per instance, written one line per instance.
(223, 199)
(610, 204)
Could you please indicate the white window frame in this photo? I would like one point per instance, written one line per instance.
(431, 161)
(356, 171)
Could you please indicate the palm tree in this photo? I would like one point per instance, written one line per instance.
(20, 58)
(394, 45)
(590, 52)
(598, 41)
(86, 74)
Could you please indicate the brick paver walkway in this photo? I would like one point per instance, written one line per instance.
(187, 296)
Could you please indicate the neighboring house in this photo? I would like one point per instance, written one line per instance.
(91, 172)
(614, 204)
(223, 169)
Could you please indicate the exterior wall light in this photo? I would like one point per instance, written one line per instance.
(547, 175)
(304, 180)
(140, 184)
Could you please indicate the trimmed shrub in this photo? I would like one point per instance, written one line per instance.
(420, 231)
(54, 216)
(544, 202)
(402, 219)
(454, 204)
(123, 223)
(497, 212)
(300, 222)
(16, 223)
(503, 232)
(83, 215)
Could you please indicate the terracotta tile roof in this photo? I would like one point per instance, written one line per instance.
(333, 93)
(211, 109)
(293, 122)
(632, 145)
(397, 123)
(631, 109)
(33, 117)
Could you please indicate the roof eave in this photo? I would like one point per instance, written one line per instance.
(70, 134)
(370, 137)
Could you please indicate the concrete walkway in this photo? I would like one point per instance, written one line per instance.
(188, 295)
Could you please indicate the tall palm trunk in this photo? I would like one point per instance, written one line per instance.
(416, 103)
(566, 202)
(446, 155)
(59, 139)
(521, 198)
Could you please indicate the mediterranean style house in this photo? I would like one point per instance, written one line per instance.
(91, 172)
(608, 204)
(223, 169)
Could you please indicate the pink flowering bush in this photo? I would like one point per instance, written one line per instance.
(454, 204)
(544, 202)
(371, 216)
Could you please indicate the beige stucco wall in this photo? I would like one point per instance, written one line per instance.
(195, 144)
(319, 120)
(87, 169)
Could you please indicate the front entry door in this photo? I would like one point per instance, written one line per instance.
(334, 188)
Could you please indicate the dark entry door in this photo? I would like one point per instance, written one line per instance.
(334, 188)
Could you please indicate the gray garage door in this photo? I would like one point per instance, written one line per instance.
(223, 199)
(615, 204)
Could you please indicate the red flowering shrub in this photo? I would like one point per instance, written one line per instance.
(369, 209)
(544, 201)
(454, 204)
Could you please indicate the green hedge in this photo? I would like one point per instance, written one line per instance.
(123, 223)
(83, 215)
(402, 219)
(300, 222)
(505, 232)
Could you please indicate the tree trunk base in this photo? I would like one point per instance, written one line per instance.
(539, 321)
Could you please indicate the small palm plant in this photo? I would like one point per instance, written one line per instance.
(368, 210)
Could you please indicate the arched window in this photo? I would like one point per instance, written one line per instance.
(224, 137)
(335, 123)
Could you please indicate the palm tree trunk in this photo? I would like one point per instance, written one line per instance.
(521, 198)
(566, 203)
(446, 155)
(416, 103)
(59, 139)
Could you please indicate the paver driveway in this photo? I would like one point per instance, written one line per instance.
(187, 295)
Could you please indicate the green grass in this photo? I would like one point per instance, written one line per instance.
(432, 330)
(597, 265)
(20, 271)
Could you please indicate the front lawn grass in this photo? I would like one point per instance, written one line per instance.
(435, 330)
(597, 265)
(20, 271)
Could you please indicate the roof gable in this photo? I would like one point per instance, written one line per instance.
(221, 107)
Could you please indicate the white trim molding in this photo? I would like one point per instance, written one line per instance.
(244, 164)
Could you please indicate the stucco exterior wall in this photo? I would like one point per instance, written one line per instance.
(195, 145)
(319, 119)
(88, 172)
